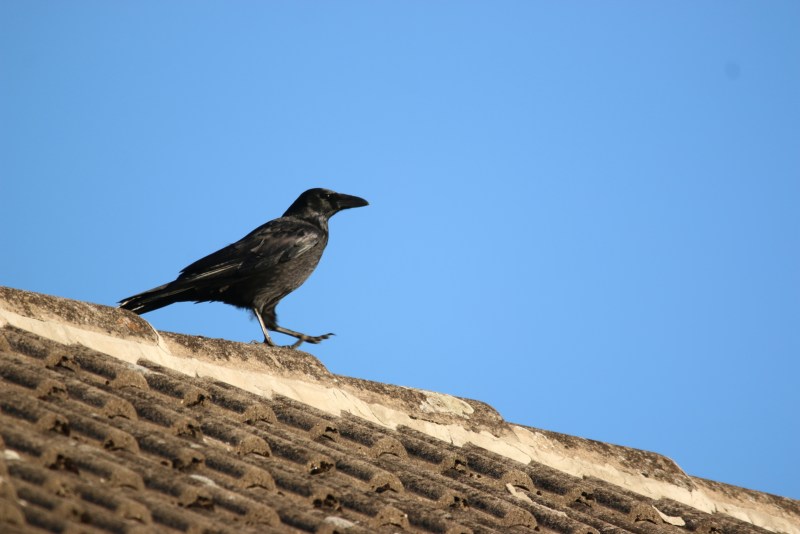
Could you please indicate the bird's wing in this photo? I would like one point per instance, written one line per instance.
(275, 242)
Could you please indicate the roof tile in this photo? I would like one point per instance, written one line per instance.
(125, 442)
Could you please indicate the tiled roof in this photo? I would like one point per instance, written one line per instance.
(109, 426)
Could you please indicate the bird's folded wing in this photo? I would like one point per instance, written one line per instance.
(265, 247)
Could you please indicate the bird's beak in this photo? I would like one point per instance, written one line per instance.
(349, 201)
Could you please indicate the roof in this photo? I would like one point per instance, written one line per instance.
(107, 425)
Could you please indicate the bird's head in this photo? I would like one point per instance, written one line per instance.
(322, 204)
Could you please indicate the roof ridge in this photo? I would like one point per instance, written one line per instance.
(296, 375)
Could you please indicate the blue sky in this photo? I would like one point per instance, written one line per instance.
(583, 214)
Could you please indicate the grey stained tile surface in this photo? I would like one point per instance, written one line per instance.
(91, 443)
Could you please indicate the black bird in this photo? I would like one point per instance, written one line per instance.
(260, 269)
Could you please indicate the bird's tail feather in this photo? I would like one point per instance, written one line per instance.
(156, 298)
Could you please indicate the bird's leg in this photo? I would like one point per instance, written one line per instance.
(267, 339)
(301, 337)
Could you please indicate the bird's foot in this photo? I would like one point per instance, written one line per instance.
(300, 339)
(309, 339)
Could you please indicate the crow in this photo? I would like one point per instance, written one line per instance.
(260, 269)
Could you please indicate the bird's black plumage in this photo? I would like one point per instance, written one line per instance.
(260, 269)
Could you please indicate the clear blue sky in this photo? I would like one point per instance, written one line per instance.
(584, 214)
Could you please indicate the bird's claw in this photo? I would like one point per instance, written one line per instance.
(310, 339)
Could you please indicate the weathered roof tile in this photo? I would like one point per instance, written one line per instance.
(109, 426)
